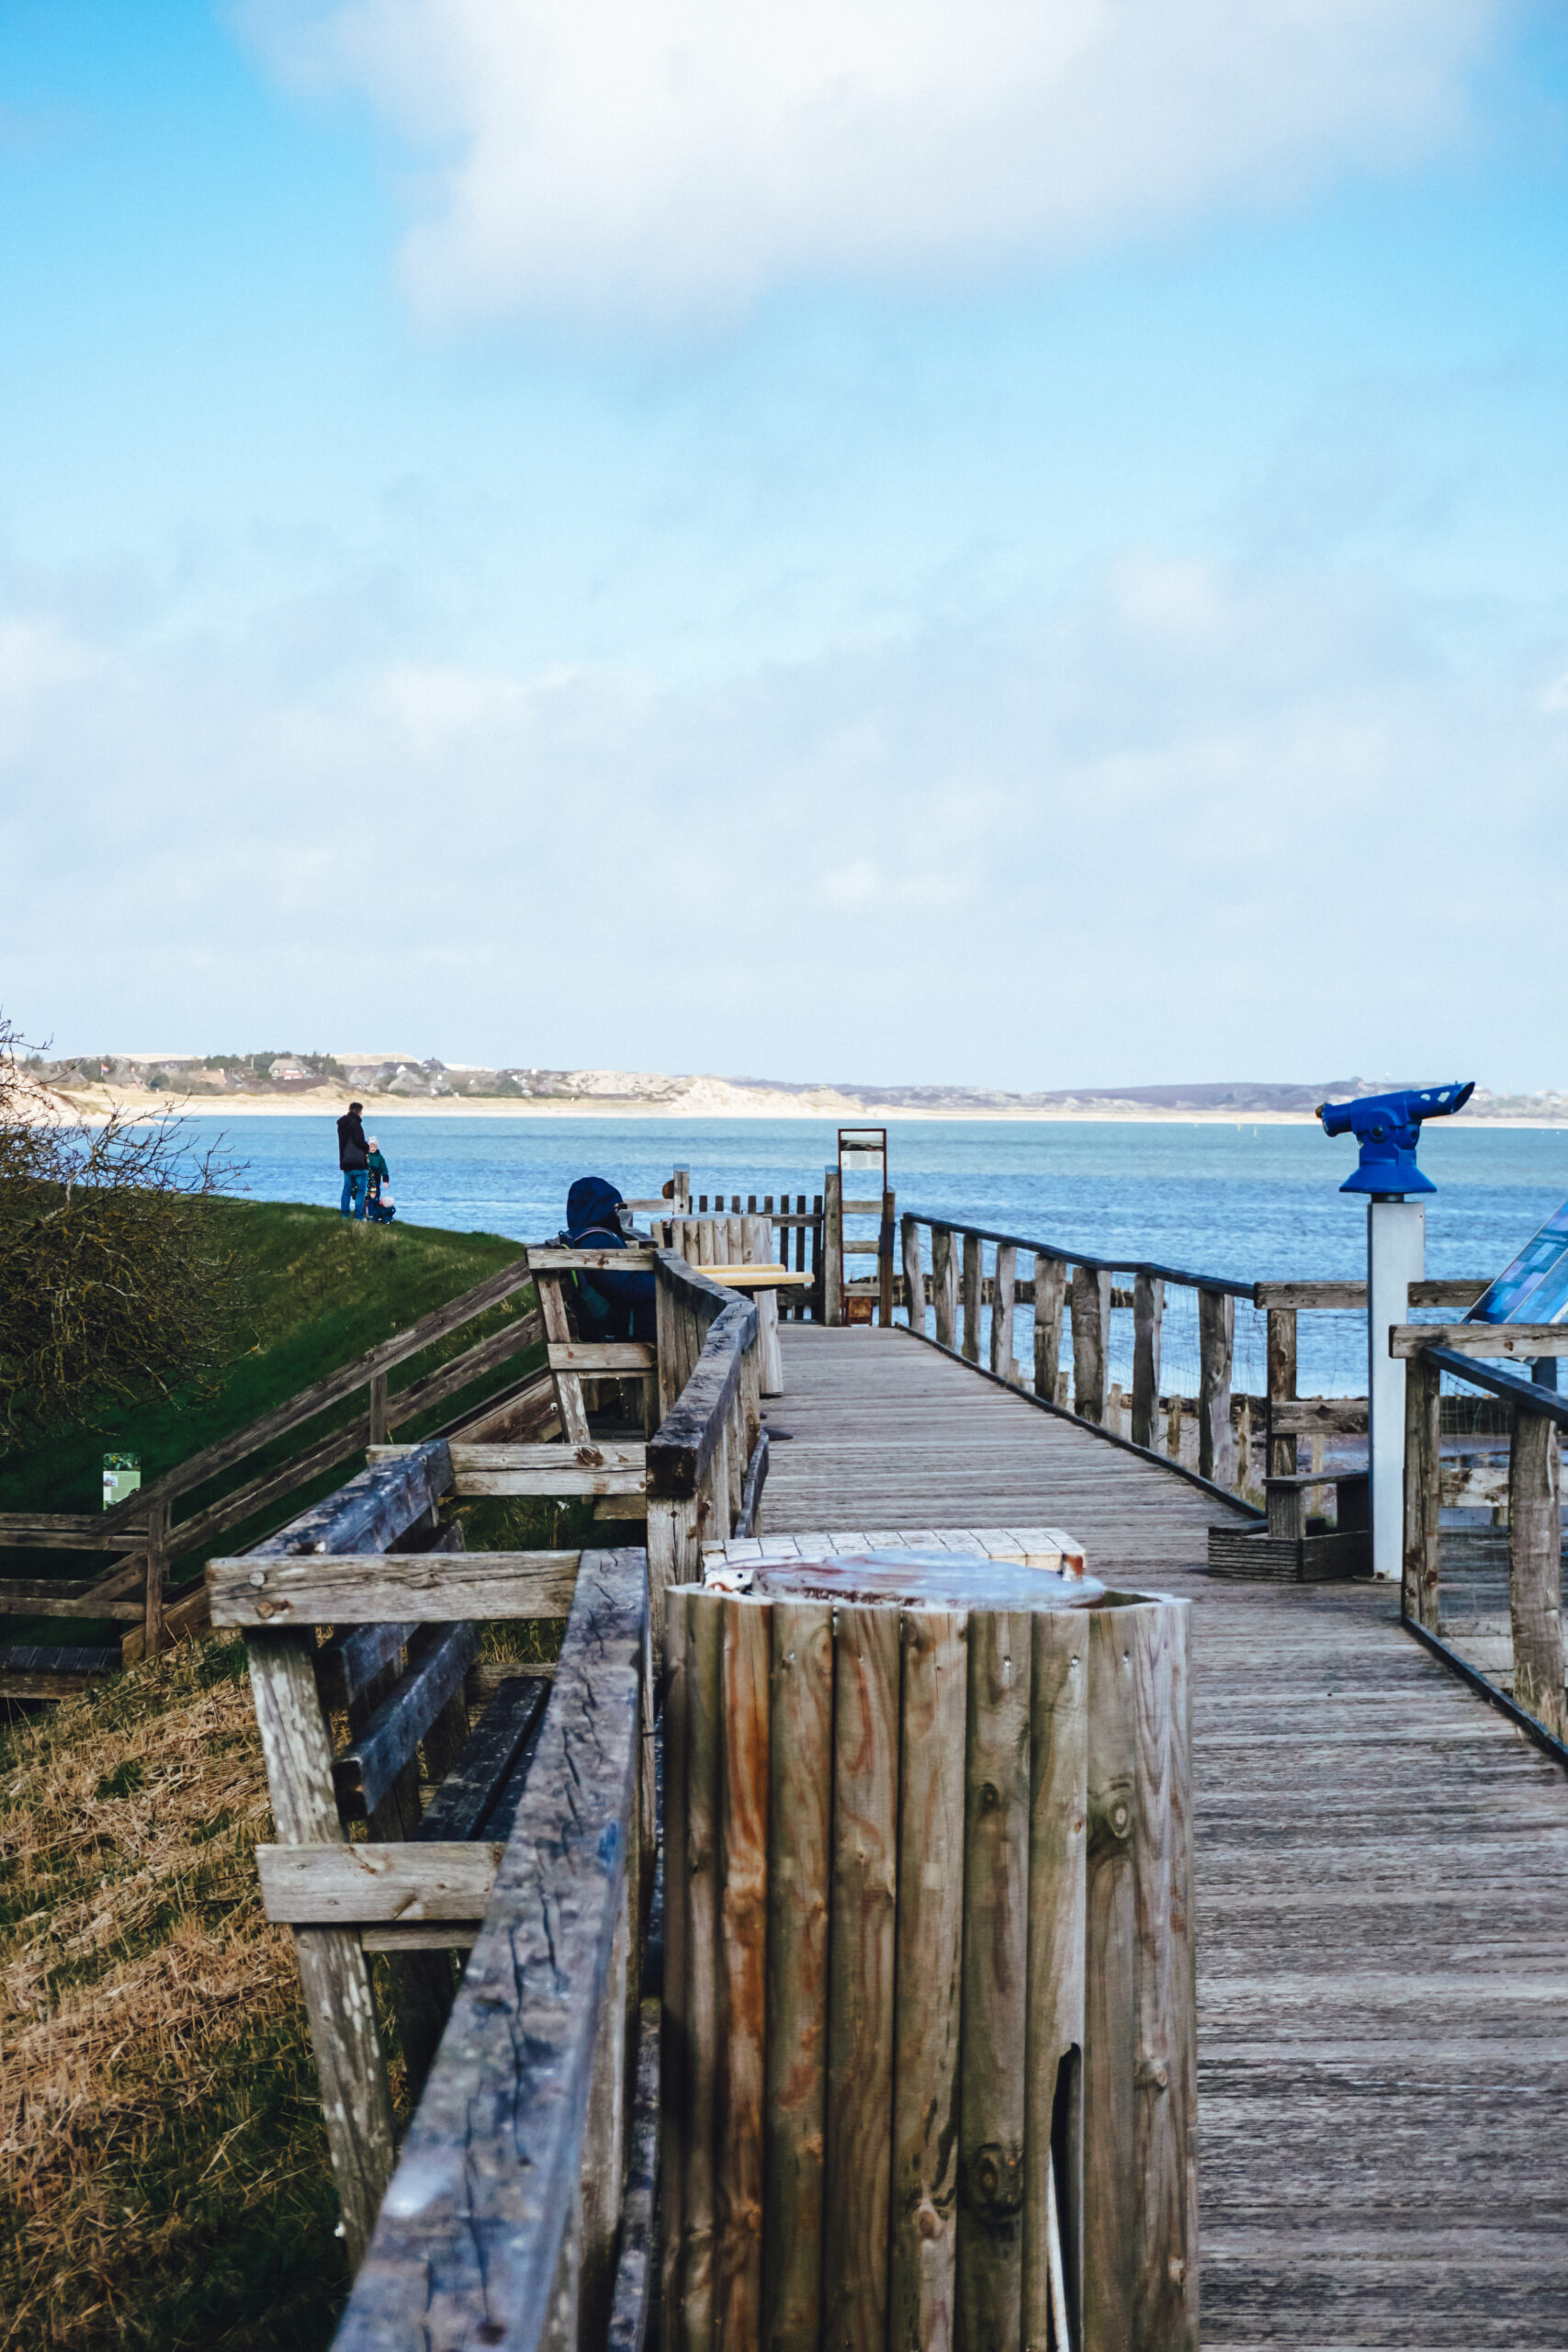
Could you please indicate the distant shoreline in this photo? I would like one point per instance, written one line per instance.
(140, 1106)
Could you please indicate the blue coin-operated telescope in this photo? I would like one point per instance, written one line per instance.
(1388, 1128)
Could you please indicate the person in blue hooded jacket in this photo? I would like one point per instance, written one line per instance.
(620, 1305)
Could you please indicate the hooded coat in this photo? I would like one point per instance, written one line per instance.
(591, 1224)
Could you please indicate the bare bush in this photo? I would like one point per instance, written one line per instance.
(114, 1281)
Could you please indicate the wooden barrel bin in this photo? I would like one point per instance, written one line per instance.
(929, 2070)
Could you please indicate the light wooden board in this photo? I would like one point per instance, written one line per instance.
(1381, 1876)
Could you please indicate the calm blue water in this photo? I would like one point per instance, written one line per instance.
(1248, 1202)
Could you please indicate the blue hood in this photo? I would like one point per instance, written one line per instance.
(591, 1205)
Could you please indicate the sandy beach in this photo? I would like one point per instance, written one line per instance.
(705, 1100)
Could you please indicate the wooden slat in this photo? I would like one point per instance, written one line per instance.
(993, 2071)
(463, 1802)
(476, 2239)
(632, 2305)
(1053, 2219)
(370, 1588)
(861, 1978)
(367, 1768)
(1535, 1571)
(799, 1832)
(599, 1355)
(675, 2053)
(1320, 1416)
(1351, 1297)
(924, 2218)
(25, 1598)
(339, 1886)
(563, 1260)
(695, 2314)
(1519, 1341)
(739, 2090)
(67, 1530)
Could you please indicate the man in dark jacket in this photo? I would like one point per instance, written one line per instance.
(353, 1158)
(620, 1306)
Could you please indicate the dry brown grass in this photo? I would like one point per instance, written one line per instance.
(162, 2160)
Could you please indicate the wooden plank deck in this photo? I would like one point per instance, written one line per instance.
(1383, 1874)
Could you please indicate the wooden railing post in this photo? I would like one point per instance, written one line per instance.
(1050, 1299)
(379, 1423)
(914, 1277)
(1423, 1383)
(1148, 1311)
(1004, 1290)
(974, 1285)
(833, 1248)
(885, 1262)
(157, 1576)
(944, 1285)
(1535, 1569)
(1281, 1351)
(1091, 1341)
(1216, 1346)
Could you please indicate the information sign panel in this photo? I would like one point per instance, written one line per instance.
(1534, 1289)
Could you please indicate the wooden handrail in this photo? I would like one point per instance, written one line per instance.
(509, 2247)
(329, 1390)
(1086, 1257)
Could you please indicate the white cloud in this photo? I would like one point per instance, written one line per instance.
(1202, 821)
(657, 155)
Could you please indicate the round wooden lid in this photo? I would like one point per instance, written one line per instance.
(922, 1579)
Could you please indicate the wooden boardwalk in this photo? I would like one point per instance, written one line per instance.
(1383, 1878)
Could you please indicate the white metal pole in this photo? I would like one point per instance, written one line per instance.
(1396, 1256)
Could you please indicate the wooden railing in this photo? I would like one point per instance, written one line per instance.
(143, 1527)
(551, 2045)
(1535, 1417)
(708, 1458)
(1071, 1295)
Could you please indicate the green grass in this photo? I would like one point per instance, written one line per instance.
(317, 1291)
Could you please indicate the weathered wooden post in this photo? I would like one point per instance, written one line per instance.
(973, 1285)
(1050, 1299)
(944, 1284)
(1091, 1341)
(1535, 1569)
(833, 1248)
(929, 1970)
(1004, 1287)
(157, 1576)
(1216, 1345)
(1423, 1490)
(885, 1262)
(377, 1435)
(1281, 1355)
(757, 1244)
(1148, 1310)
(914, 1275)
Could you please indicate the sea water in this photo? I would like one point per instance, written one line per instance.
(1248, 1202)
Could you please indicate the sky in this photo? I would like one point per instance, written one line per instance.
(1010, 544)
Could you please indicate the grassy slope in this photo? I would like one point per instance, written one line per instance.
(163, 2176)
(317, 1290)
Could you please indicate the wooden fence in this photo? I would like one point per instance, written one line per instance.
(1536, 1415)
(1070, 1295)
(144, 1531)
(552, 2038)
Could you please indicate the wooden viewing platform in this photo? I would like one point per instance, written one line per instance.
(1381, 1872)
(1380, 1855)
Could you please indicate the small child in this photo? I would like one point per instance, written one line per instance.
(379, 1205)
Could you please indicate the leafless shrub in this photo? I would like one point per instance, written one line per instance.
(114, 1282)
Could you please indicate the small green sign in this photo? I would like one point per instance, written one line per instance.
(122, 1476)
